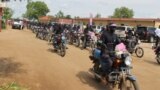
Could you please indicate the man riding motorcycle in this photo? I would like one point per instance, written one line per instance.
(157, 31)
(131, 40)
(58, 30)
(86, 31)
(110, 40)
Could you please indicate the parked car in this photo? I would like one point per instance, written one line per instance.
(121, 31)
(17, 24)
(146, 33)
(97, 29)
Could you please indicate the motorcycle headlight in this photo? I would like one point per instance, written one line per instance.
(139, 41)
(63, 37)
(128, 61)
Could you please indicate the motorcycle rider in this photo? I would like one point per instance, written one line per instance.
(157, 32)
(130, 41)
(110, 40)
(59, 29)
(86, 31)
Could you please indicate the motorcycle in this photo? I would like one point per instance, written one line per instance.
(45, 34)
(39, 33)
(89, 41)
(120, 74)
(75, 38)
(59, 44)
(133, 47)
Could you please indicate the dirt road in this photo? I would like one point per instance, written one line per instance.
(31, 62)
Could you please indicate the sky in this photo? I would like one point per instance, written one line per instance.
(83, 8)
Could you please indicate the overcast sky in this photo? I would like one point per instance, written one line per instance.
(82, 8)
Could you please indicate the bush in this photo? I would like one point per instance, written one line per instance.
(3, 25)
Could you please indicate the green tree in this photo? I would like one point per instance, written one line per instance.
(7, 13)
(98, 15)
(123, 12)
(60, 14)
(36, 9)
(24, 15)
(68, 16)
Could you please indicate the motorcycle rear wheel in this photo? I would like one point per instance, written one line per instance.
(139, 52)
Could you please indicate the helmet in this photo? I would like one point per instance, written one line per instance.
(112, 27)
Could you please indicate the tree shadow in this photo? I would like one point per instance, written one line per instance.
(86, 78)
(8, 67)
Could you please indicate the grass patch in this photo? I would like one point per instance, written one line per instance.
(12, 86)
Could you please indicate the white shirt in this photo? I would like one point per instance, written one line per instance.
(157, 31)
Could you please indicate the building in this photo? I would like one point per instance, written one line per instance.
(46, 19)
(126, 21)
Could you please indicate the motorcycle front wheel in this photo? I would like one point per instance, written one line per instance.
(77, 42)
(129, 85)
(37, 35)
(70, 40)
(83, 44)
(63, 50)
(139, 52)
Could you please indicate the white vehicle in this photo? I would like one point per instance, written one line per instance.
(17, 24)
(121, 31)
(97, 29)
